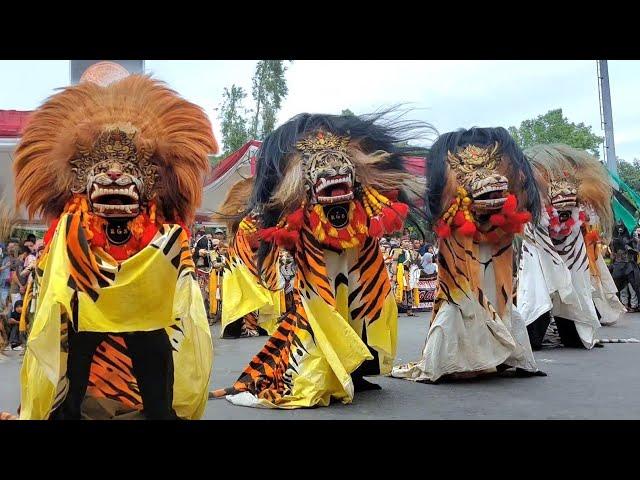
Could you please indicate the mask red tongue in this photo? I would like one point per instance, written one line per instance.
(338, 191)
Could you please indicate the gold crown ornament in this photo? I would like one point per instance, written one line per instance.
(473, 157)
(323, 141)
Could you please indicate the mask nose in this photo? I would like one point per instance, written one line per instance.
(114, 174)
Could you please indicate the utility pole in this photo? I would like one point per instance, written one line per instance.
(606, 116)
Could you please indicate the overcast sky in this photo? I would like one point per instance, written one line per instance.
(447, 94)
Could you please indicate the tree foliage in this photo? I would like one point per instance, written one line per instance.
(553, 127)
(268, 90)
(630, 172)
(232, 116)
(347, 112)
(240, 124)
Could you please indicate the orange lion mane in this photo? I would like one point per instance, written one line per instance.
(177, 132)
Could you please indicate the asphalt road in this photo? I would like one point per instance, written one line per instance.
(598, 384)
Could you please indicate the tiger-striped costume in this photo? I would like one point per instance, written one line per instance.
(120, 326)
(475, 178)
(249, 308)
(562, 272)
(344, 318)
(473, 328)
(317, 194)
(87, 302)
(555, 277)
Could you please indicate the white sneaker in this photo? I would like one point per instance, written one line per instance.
(19, 348)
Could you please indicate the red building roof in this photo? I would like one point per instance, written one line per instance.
(225, 165)
(12, 122)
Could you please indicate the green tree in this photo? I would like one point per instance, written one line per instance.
(552, 127)
(268, 90)
(347, 112)
(630, 172)
(233, 121)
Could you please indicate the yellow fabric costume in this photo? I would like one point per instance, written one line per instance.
(310, 357)
(242, 291)
(115, 318)
(177, 307)
(342, 323)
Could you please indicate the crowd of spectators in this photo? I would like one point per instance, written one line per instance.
(17, 264)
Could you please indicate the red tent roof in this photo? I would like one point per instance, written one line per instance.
(12, 122)
(225, 165)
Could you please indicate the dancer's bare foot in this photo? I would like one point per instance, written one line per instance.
(219, 393)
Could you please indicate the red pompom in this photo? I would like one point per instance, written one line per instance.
(510, 204)
(268, 234)
(292, 239)
(497, 219)
(391, 220)
(401, 208)
(287, 238)
(513, 228)
(458, 219)
(582, 216)
(296, 219)
(359, 215)
(468, 229)
(375, 227)
(442, 229)
(521, 217)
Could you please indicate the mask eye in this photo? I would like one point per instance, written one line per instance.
(564, 216)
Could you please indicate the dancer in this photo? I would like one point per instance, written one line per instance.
(480, 193)
(410, 264)
(202, 249)
(287, 274)
(562, 272)
(243, 295)
(327, 188)
(120, 324)
(215, 280)
(624, 269)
